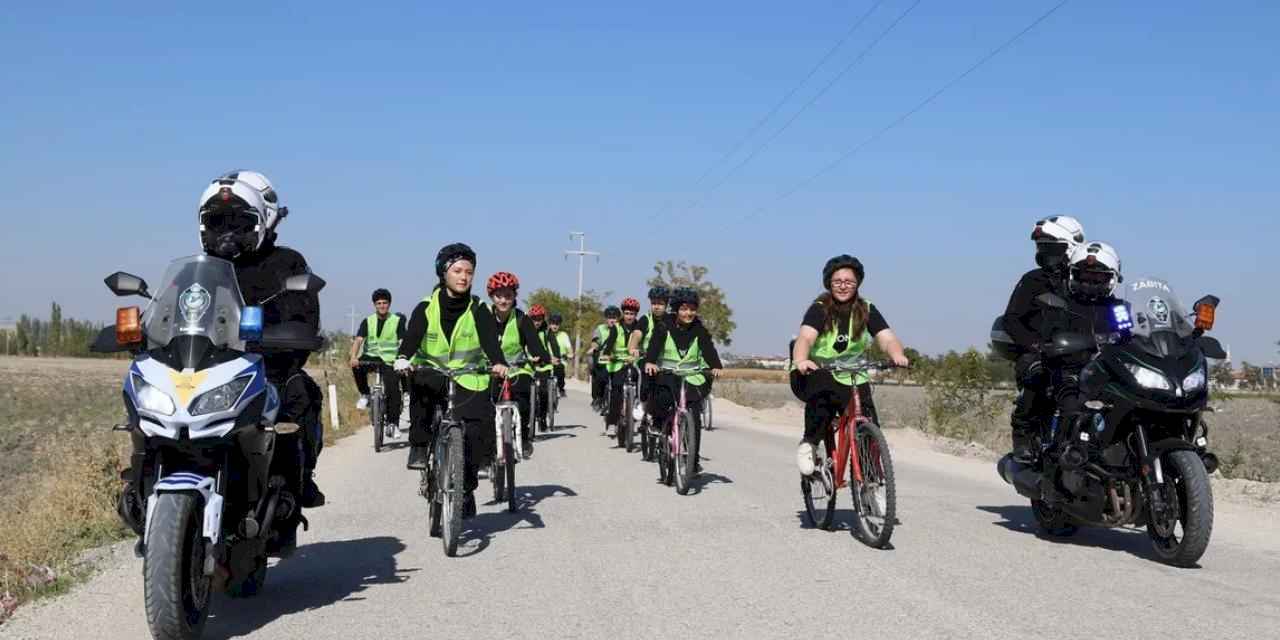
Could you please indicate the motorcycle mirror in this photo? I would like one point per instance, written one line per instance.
(1212, 348)
(305, 282)
(127, 284)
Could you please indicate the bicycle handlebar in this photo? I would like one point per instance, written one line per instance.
(862, 366)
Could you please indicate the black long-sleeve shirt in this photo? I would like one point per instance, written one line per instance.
(1027, 318)
(683, 335)
(261, 276)
(451, 309)
(528, 335)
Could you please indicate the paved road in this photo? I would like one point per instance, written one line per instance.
(601, 550)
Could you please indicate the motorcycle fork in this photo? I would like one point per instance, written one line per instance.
(1152, 473)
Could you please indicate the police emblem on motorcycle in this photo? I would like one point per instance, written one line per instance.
(1159, 311)
(193, 303)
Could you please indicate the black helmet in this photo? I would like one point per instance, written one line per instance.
(452, 253)
(555, 318)
(612, 312)
(684, 295)
(843, 261)
(659, 293)
(381, 294)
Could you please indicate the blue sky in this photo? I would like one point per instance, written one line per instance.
(391, 129)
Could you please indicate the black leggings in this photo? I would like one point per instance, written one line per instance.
(390, 385)
(428, 392)
(665, 394)
(825, 399)
(560, 377)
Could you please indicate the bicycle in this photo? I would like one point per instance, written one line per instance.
(627, 426)
(678, 456)
(509, 447)
(546, 382)
(442, 482)
(378, 405)
(869, 466)
(706, 411)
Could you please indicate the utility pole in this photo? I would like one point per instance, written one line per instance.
(352, 315)
(582, 253)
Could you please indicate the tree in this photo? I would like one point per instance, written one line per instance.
(1252, 375)
(580, 316)
(55, 330)
(1222, 374)
(713, 310)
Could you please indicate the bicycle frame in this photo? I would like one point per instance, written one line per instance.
(846, 453)
(516, 438)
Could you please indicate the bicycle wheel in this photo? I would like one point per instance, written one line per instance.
(624, 422)
(508, 452)
(686, 461)
(377, 416)
(553, 404)
(429, 483)
(706, 412)
(819, 491)
(875, 498)
(662, 450)
(646, 440)
(451, 484)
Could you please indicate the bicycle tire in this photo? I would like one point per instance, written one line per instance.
(508, 451)
(553, 404)
(875, 506)
(686, 461)
(452, 488)
(819, 493)
(707, 412)
(377, 416)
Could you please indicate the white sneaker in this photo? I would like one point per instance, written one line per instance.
(804, 458)
(362, 403)
(638, 413)
(610, 431)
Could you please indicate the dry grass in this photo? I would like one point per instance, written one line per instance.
(755, 375)
(60, 464)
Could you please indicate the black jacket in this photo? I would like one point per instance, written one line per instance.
(1026, 315)
(261, 275)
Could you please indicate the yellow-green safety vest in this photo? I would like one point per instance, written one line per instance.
(460, 350)
(516, 356)
(618, 352)
(691, 359)
(824, 352)
(384, 345)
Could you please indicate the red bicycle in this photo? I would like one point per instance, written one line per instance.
(862, 462)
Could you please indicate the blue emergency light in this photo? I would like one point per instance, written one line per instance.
(251, 324)
(1123, 319)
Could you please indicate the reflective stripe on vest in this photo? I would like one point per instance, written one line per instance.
(459, 351)
(382, 345)
(824, 352)
(691, 359)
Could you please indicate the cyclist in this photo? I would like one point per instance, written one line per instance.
(538, 314)
(1024, 320)
(613, 357)
(681, 341)
(376, 343)
(838, 328)
(599, 378)
(554, 321)
(452, 329)
(644, 330)
(520, 346)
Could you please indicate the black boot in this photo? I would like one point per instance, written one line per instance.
(1022, 447)
(469, 506)
(417, 458)
(312, 497)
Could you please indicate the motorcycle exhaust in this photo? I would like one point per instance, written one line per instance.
(1024, 479)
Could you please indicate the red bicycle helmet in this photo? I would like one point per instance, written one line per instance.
(503, 280)
(537, 311)
(631, 304)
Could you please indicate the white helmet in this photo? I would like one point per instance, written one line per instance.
(238, 211)
(1095, 270)
(1056, 237)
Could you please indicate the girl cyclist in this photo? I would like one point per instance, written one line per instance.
(680, 341)
(838, 327)
(521, 346)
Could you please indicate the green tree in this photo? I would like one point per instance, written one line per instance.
(55, 330)
(580, 316)
(1222, 374)
(1252, 375)
(713, 309)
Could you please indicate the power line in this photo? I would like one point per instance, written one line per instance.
(796, 116)
(916, 109)
(785, 98)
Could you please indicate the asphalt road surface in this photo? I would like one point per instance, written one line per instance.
(600, 549)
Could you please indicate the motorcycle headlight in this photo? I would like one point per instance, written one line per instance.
(220, 398)
(1148, 377)
(151, 398)
(1195, 380)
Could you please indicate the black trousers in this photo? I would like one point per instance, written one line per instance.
(825, 399)
(301, 402)
(428, 393)
(599, 381)
(390, 385)
(616, 380)
(1034, 403)
(559, 369)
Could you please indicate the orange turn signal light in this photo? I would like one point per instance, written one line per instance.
(1205, 315)
(128, 325)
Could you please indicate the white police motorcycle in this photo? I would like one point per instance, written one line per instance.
(213, 473)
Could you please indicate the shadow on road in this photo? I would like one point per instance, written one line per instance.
(478, 531)
(1019, 518)
(317, 575)
(704, 479)
(554, 436)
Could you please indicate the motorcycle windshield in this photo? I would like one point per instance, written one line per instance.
(1161, 325)
(200, 297)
